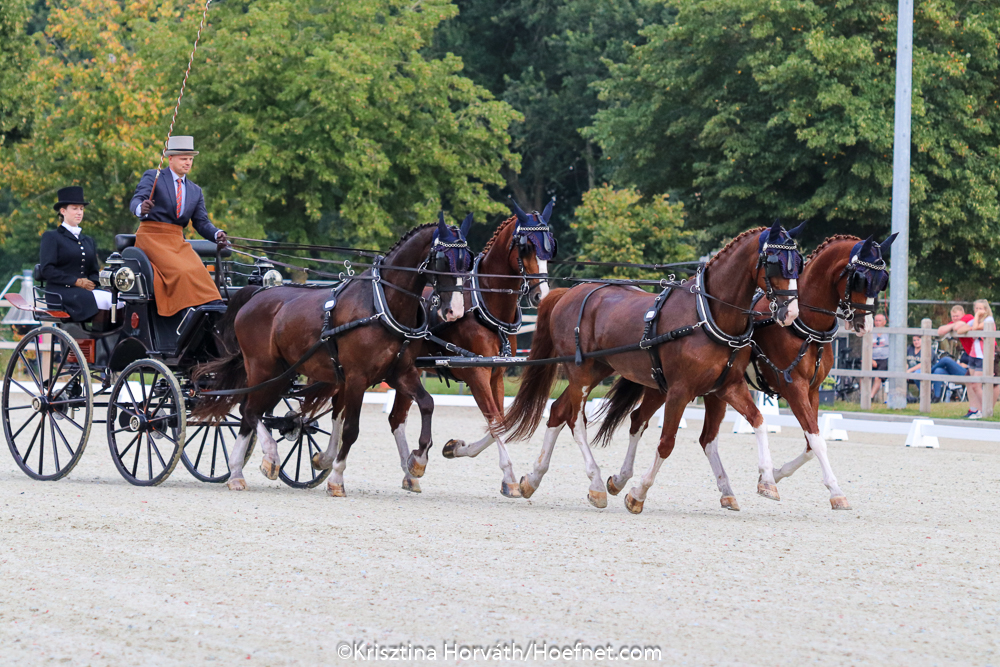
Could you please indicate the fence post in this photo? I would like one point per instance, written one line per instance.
(925, 365)
(990, 389)
(866, 365)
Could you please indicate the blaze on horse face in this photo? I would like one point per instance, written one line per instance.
(778, 268)
(534, 246)
(449, 256)
(865, 277)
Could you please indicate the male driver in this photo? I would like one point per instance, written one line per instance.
(180, 278)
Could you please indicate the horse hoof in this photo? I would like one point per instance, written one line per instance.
(612, 489)
(237, 484)
(598, 499)
(335, 490)
(510, 490)
(415, 467)
(269, 469)
(729, 503)
(840, 503)
(411, 485)
(768, 490)
(526, 488)
(632, 505)
(449, 448)
(317, 462)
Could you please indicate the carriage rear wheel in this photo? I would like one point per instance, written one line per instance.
(206, 450)
(297, 440)
(47, 403)
(146, 422)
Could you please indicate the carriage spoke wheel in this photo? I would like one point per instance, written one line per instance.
(146, 422)
(47, 403)
(298, 439)
(207, 448)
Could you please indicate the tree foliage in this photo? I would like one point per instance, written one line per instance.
(618, 226)
(752, 109)
(16, 58)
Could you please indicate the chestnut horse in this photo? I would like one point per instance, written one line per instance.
(708, 353)
(364, 322)
(843, 276)
(520, 247)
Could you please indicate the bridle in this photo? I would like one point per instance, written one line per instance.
(525, 242)
(775, 268)
(858, 281)
(443, 259)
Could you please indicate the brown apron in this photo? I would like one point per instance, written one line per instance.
(180, 279)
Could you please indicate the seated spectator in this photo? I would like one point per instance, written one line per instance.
(880, 353)
(947, 365)
(974, 350)
(913, 358)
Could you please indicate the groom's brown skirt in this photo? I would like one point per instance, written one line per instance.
(180, 279)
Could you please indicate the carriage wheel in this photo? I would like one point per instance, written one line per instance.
(146, 422)
(47, 425)
(206, 450)
(297, 442)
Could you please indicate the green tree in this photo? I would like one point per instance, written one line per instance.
(16, 56)
(325, 122)
(619, 226)
(754, 109)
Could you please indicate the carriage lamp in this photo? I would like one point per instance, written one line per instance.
(124, 279)
(273, 278)
(265, 275)
(114, 263)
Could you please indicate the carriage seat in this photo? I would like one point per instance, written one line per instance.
(203, 248)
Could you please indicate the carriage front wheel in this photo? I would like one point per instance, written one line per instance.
(146, 422)
(47, 403)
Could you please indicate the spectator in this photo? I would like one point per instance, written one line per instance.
(913, 359)
(946, 365)
(880, 353)
(975, 322)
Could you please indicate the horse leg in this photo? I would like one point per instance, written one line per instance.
(236, 480)
(673, 410)
(351, 397)
(559, 415)
(651, 402)
(715, 410)
(397, 424)
(596, 494)
(806, 410)
(738, 395)
(256, 405)
(409, 382)
(324, 460)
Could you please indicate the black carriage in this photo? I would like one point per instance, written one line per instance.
(134, 364)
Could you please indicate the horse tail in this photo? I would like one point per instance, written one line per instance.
(521, 420)
(227, 372)
(618, 405)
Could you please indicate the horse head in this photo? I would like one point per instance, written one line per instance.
(531, 246)
(864, 276)
(449, 257)
(778, 266)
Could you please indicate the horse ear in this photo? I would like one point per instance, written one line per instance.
(466, 226)
(547, 213)
(774, 234)
(866, 247)
(885, 245)
(521, 215)
(443, 232)
(794, 233)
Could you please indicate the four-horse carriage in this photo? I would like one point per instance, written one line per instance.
(133, 364)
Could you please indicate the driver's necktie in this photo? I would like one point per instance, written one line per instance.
(180, 192)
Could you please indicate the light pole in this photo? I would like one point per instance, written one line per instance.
(899, 280)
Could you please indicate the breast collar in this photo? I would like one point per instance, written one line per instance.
(383, 313)
(710, 326)
(504, 329)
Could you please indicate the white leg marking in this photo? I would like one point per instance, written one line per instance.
(579, 431)
(542, 464)
(476, 448)
(721, 478)
(646, 481)
(404, 448)
(625, 474)
(505, 464)
(818, 446)
(237, 455)
(268, 444)
(793, 465)
(764, 455)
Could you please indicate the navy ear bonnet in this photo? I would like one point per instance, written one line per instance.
(869, 273)
(532, 231)
(779, 253)
(449, 247)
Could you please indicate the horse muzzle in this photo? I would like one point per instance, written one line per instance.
(787, 312)
(453, 308)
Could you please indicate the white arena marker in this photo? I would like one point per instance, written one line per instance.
(767, 406)
(916, 437)
(390, 398)
(827, 427)
(659, 419)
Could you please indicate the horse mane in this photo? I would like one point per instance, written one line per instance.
(729, 245)
(496, 234)
(833, 239)
(408, 235)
